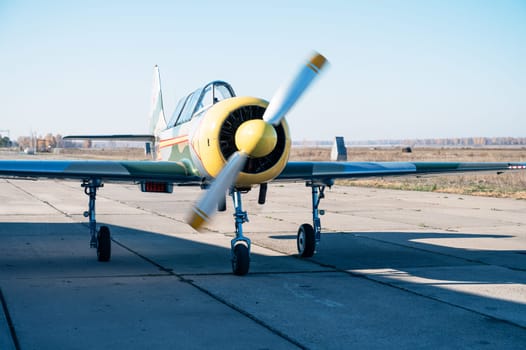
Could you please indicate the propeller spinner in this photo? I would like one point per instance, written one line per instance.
(255, 138)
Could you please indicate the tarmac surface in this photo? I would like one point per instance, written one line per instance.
(404, 270)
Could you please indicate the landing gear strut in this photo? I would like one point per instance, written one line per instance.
(240, 245)
(309, 235)
(99, 239)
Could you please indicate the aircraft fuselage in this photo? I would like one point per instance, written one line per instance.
(204, 141)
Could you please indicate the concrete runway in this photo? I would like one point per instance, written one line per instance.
(402, 270)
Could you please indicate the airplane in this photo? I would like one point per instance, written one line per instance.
(226, 145)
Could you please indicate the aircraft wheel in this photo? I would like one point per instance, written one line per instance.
(240, 260)
(104, 244)
(306, 241)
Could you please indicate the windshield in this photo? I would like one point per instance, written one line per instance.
(200, 100)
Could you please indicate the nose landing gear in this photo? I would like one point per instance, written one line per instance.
(240, 245)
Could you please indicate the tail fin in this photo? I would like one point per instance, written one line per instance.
(157, 120)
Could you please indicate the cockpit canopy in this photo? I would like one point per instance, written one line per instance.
(199, 101)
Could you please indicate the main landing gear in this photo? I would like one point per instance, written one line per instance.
(99, 239)
(309, 235)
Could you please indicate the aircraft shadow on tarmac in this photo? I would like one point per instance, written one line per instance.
(401, 250)
(383, 250)
(341, 250)
(52, 249)
(62, 249)
(419, 262)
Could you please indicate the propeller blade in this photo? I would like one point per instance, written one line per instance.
(255, 140)
(207, 204)
(289, 93)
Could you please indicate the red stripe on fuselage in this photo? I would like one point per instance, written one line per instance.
(173, 141)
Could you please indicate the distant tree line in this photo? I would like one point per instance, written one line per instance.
(5, 142)
(438, 142)
(474, 141)
(456, 141)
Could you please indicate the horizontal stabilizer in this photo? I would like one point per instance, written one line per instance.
(122, 137)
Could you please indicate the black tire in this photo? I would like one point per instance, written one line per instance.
(104, 244)
(240, 260)
(306, 241)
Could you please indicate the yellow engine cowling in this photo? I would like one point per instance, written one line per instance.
(214, 140)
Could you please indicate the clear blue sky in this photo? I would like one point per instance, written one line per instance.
(399, 69)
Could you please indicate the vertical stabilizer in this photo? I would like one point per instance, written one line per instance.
(157, 120)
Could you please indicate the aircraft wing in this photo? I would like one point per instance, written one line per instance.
(177, 172)
(174, 172)
(328, 171)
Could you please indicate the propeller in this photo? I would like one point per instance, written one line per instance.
(255, 138)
